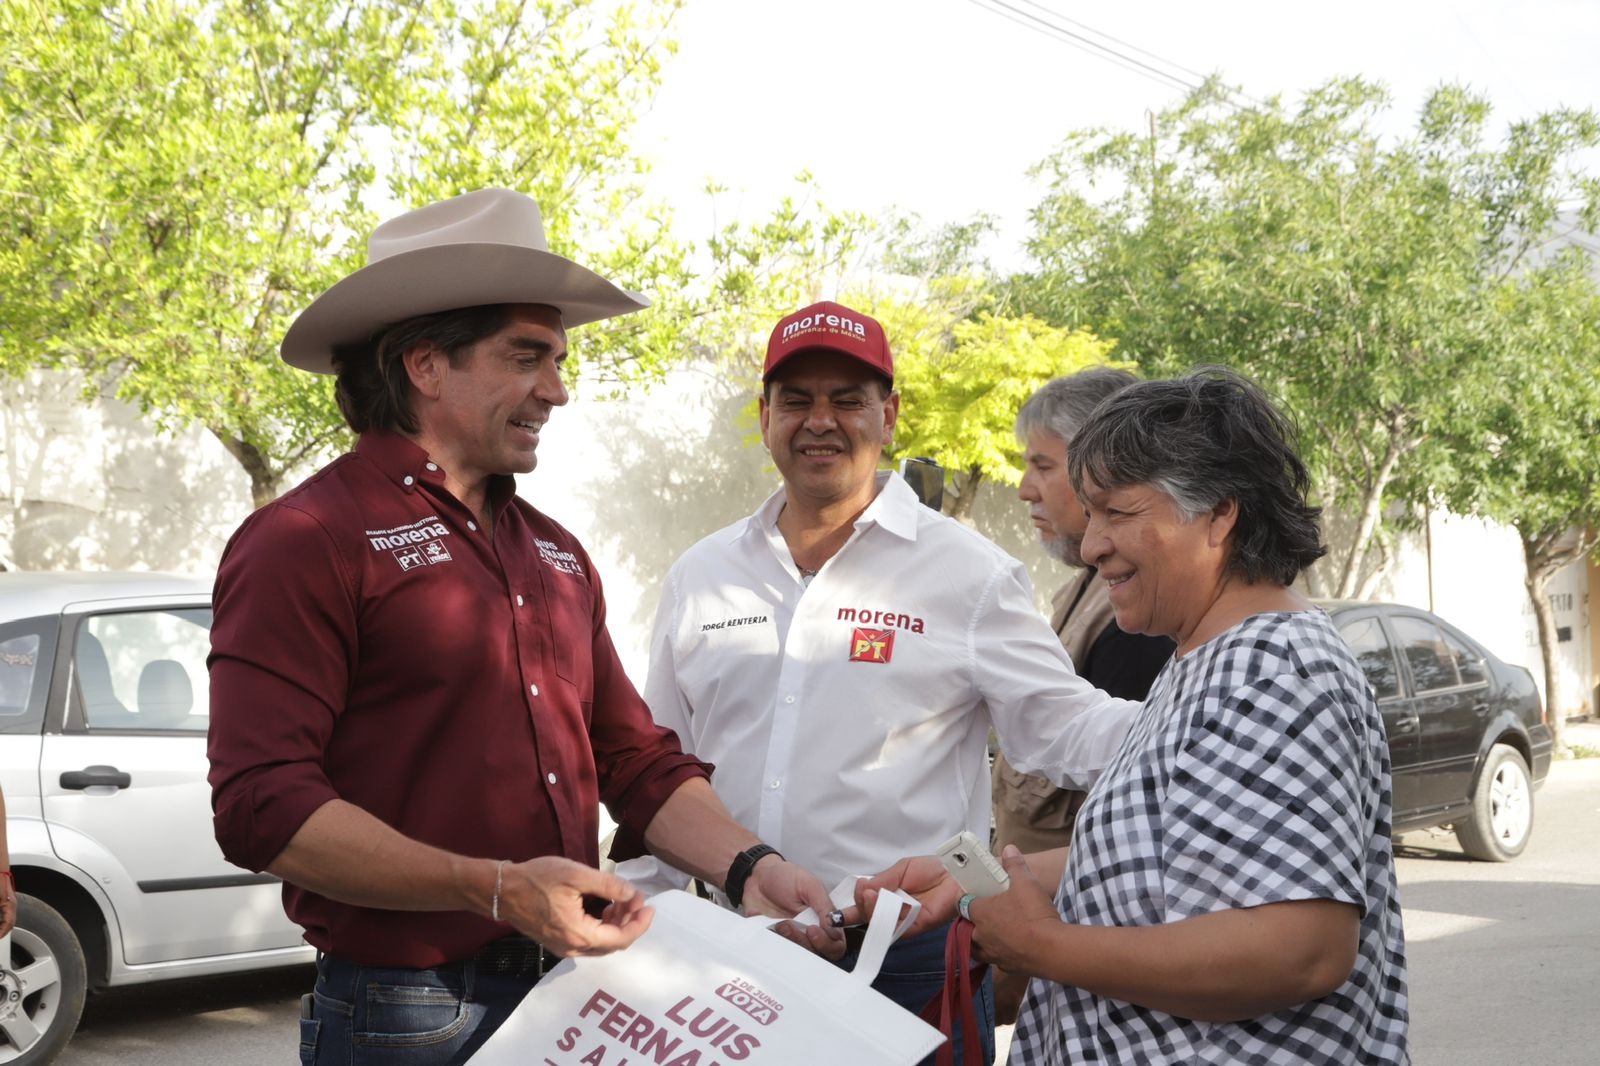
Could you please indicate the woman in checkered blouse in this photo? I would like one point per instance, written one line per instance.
(1230, 893)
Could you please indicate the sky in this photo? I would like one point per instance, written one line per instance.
(939, 107)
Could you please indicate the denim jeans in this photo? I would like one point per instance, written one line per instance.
(913, 973)
(372, 1016)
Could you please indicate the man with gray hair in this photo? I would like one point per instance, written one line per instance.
(1031, 812)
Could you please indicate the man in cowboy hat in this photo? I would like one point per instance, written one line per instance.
(845, 609)
(416, 706)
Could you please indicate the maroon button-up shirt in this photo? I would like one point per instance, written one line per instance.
(372, 644)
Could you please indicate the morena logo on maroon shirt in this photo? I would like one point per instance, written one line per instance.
(415, 544)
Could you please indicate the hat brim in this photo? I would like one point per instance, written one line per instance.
(823, 346)
(444, 278)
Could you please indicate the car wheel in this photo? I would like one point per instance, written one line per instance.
(42, 985)
(1502, 808)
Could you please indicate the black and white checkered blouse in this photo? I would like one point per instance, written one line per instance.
(1256, 773)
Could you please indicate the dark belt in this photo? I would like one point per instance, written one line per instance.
(516, 956)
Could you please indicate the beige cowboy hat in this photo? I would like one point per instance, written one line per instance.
(484, 247)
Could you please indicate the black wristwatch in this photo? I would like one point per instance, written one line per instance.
(743, 866)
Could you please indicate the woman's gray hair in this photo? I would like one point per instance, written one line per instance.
(1065, 403)
(1209, 436)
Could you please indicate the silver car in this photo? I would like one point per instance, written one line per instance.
(103, 717)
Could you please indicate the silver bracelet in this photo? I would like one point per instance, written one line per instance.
(494, 906)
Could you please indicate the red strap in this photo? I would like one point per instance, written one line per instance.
(960, 974)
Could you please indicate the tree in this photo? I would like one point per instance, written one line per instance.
(179, 177)
(755, 272)
(960, 397)
(1347, 273)
(1530, 454)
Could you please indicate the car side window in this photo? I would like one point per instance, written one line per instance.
(19, 665)
(1469, 661)
(1374, 655)
(143, 670)
(1433, 666)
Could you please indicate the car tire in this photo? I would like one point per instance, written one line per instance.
(45, 981)
(1502, 808)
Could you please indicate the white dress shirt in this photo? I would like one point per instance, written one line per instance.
(848, 715)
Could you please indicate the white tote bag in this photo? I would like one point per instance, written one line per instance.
(706, 987)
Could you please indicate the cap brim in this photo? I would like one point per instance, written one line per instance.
(811, 349)
(445, 278)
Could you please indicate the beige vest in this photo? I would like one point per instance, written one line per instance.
(1029, 811)
(1082, 612)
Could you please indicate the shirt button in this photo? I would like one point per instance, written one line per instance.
(788, 699)
(472, 526)
(410, 480)
(519, 601)
(432, 466)
(534, 689)
(550, 778)
(774, 783)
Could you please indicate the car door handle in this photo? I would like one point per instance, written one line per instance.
(91, 776)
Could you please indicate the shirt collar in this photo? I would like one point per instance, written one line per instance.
(405, 463)
(894, 509)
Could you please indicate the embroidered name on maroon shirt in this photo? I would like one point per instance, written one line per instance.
(564, 561)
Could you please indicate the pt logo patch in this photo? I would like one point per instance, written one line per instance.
(871, 645)
(410, 558)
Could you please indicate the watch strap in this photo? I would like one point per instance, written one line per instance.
(742, 867)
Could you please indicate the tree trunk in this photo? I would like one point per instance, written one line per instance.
(1369, 586)
(1538, 584)
(264, 480)
(1371, 511)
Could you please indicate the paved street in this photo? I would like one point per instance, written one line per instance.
(243, 1020)
(1505, 959)
(1505, 962)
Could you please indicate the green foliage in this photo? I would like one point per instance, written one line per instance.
(759, 271)
(1527, 450)
(179, 177)
(1348, 274)
(960, 399)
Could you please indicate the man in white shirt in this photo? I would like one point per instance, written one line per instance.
(842, 654)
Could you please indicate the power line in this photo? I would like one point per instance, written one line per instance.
(1117, 40)
(1052, 27)
(1083, 44)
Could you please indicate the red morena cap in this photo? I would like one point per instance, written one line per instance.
(830, 327)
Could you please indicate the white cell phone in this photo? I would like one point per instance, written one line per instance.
(975, 870)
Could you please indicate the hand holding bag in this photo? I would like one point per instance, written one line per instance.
(707, 987)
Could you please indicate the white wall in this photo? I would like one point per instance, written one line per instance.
(90, 486)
